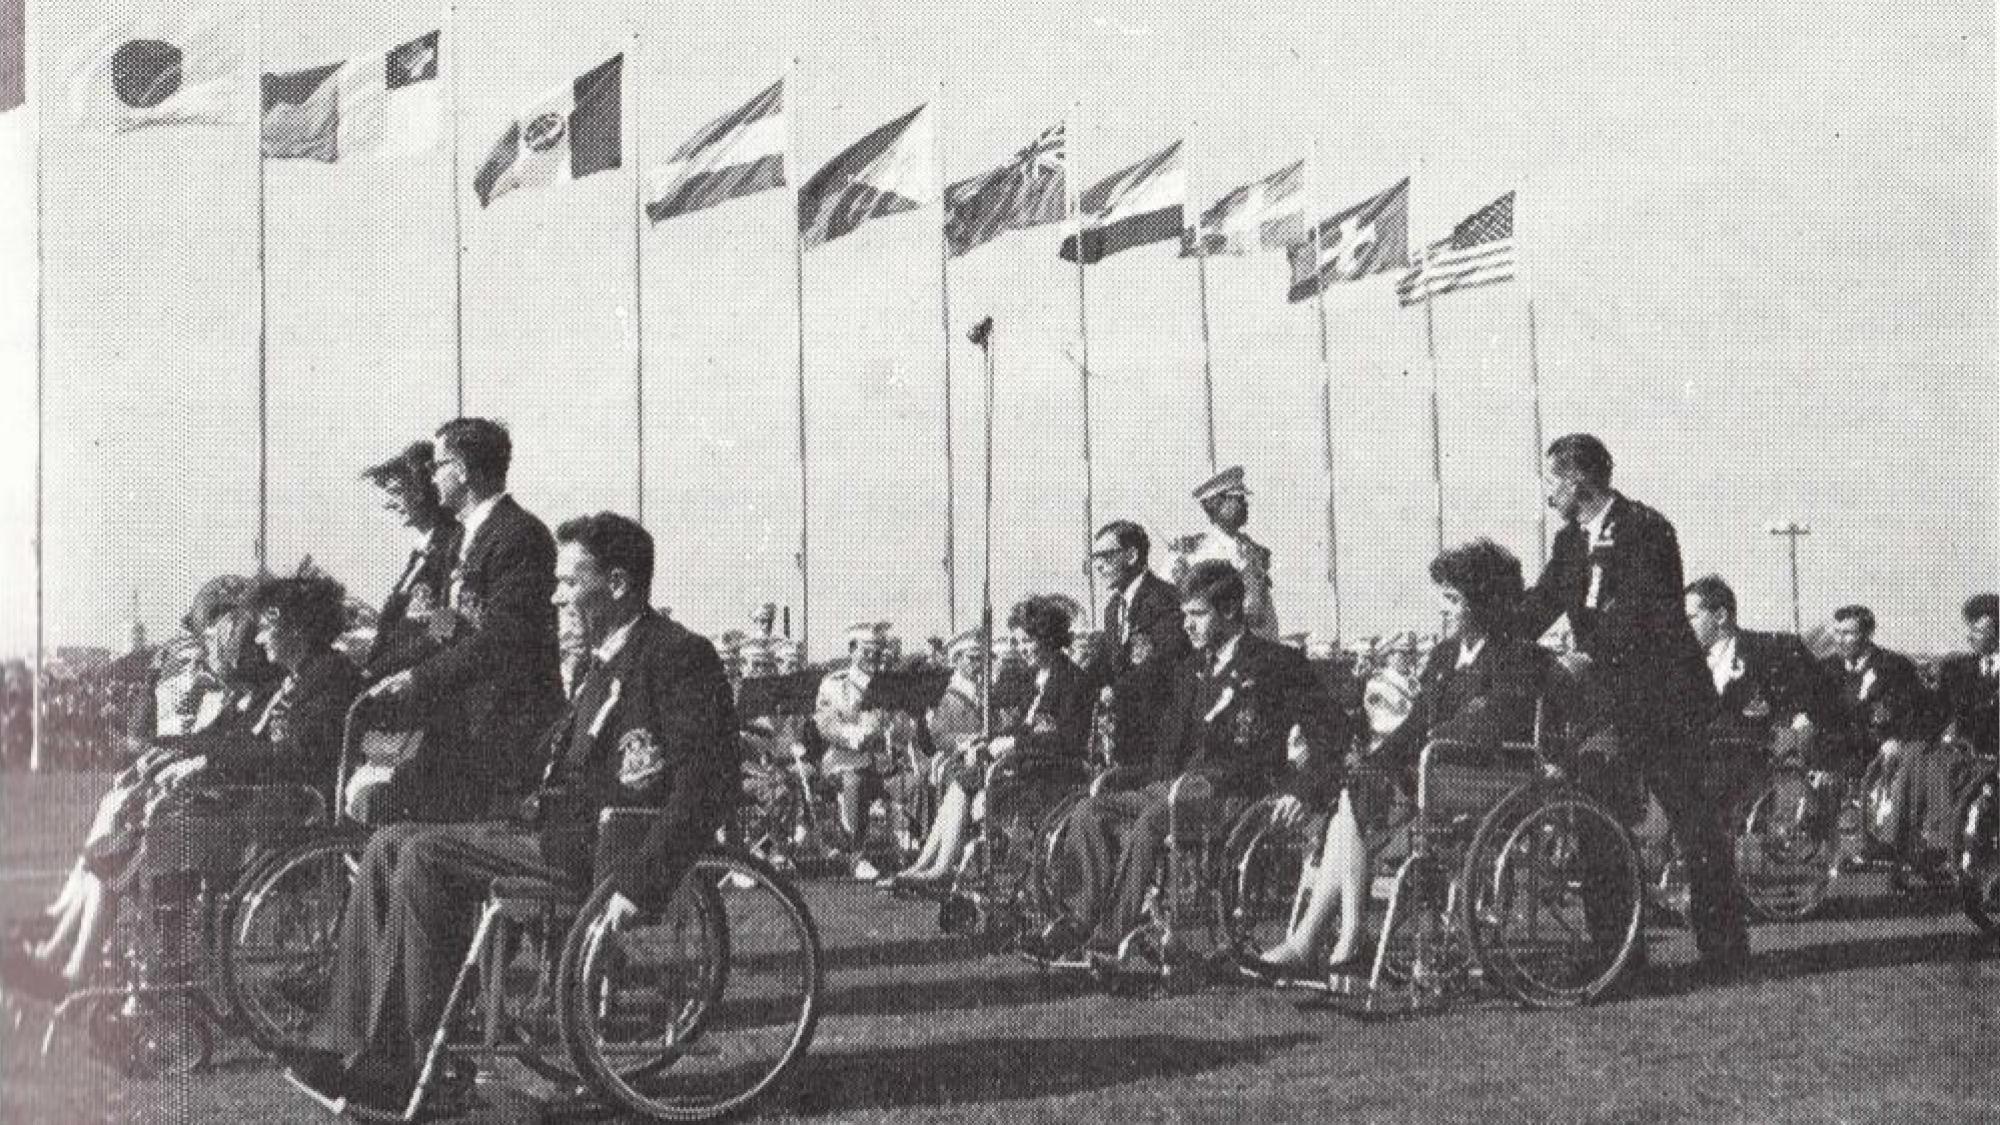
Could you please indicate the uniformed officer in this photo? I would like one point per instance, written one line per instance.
(1225, 499)
(859, 753)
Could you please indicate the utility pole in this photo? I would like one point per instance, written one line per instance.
(1793, 532)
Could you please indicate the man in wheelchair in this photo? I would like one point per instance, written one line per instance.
(1236, 699)
(650, 723)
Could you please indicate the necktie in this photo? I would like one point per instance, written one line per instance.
(1114, 616)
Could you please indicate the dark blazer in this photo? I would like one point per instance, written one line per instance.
(1780, 679)
(1969, 703)
(1487, 702)
(301, 738)
(1869, 710)
(1059, 728)
(1141, 689)
(1267, 689)
(655, 727)
(1637, 634)
(491, 689)
(400, 643)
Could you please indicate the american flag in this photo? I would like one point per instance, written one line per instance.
(1479, 252)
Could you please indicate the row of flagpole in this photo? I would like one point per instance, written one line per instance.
(1080, 225)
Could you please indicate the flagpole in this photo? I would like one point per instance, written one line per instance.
(944, 322)
(1207, 354)
(41, 432)
(982, 336)
(638, 291)
(792, 118)
(263, 350)
(1437, 446)
(1083, 380)
(1535, 399)
(1326, 421)
(457, 234)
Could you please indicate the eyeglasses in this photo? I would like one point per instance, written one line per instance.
(1106, 555)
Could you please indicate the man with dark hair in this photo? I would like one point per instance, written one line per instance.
(1769, 687)
(1225, 500)
(485, 694)
(1142, 640)
(651, 723)
(1236, 699)
(1969, 682)
(1615, 572)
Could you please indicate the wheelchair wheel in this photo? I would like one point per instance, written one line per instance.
(1263, 874)
(281, 930)
(1055, 879)
(1550, 897)
(149, 1036)
(674, 1017)
(1976, 853)
(1785, 848)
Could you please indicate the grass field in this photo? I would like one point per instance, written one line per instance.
(1883, 1011)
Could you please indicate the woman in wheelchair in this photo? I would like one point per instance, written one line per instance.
(292, 737)
(1481, 686)
(1044, 745)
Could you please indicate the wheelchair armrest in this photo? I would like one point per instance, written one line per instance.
(1118, 778)
(268, 798)
(1452, 752)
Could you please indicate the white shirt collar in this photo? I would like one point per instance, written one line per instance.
(1722, 659)
(1469, 652)
(475, 517)
(1861, 663)
(1593, 527)
(610, 646)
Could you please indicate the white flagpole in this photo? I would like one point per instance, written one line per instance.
(1326, 413)
(799, 277)
(1207, 353)
(1535, 400)
(263, 328)
(638, 281)
(452, 55)
(41, 396)
(944, 319)
(1075, 190)
(1437, 446)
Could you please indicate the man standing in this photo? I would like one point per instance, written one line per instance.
(492, 687)
(1236, 699)
(1615, 572)
(1142, 642)
(1225, 499)
(651, 724)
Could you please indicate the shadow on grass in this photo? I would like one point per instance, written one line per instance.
(999, 1070)
(1854, 955)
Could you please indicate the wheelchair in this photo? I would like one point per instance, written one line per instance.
(1975, 847)
(160, 995)
(1001, 886)
(687, 1012)
(1511, 880)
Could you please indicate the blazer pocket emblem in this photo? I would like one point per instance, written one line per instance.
(640, 758)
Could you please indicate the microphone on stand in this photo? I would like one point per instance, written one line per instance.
(982, 332)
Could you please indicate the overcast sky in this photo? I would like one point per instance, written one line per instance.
(1758, 237)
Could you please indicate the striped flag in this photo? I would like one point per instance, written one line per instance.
(1027, 191)
(887, 172)
(1365, 239)
(384, 104)
(1479, 252)
(1141, 204)
(1267, 215)
(737, 154)
(572, 131)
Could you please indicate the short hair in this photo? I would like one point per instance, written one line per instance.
(1217, 583)
(313, 604)
(1583, 454)
(1128, 534)
(1859, 614)
(614, 542)
(1713, 592)
(1981, 605)
(1490, 578)
(1045, 619)
(482, 444)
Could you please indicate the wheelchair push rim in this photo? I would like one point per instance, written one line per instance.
(1786, 850)
(1976, 853)
(281, 930)
(1525, 908)
(673, 1017)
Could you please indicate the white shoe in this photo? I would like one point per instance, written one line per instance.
(865, 871)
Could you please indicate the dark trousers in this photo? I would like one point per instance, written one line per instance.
(408, 924)
(1114, 842)
(1697, 794)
